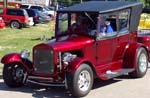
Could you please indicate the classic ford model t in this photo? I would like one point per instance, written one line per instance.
(92, 40)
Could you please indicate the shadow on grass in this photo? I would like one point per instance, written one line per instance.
(36, 39)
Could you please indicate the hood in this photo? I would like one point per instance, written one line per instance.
(72, 42)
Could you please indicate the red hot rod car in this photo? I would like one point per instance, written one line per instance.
(92, 40)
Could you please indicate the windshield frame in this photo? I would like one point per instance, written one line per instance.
(69, 19)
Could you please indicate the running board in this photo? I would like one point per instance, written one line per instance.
(112, 74)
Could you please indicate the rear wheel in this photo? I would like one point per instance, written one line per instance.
(80, 82)
(141, 64)
(14, 75)
(15, 25)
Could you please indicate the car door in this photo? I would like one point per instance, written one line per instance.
(105, 44)
(121, 42)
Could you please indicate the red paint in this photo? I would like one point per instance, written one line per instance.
(2, 24)
(107, 54)
(8, 18)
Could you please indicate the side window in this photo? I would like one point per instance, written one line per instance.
(11, 12)
(124, 21)
(1, 11)
(107, 26)
(20, 13)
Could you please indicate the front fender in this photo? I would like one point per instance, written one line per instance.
(75, 64)
(15, 57)
(9, 58)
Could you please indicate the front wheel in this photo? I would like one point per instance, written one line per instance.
(14, 75)
(80, 82)
(141, 64)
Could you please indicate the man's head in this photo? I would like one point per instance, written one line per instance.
(107, 22)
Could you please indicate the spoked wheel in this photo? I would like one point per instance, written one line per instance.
(15, 25)
(141, 64)
(81, 81)
(14, 75)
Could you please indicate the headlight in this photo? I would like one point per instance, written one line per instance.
(25, 54)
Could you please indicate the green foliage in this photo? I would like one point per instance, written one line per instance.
(14, 40)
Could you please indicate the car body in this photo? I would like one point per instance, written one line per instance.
(79, 52)
(16, 18)
(34, 14)
(43, 9)
(44, 18)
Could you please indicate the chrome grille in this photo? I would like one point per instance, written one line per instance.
(43, 61)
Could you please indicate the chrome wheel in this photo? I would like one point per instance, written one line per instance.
(142, 63)
(80, 82)
(84, 80)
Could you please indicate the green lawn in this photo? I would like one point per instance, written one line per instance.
(14, 40)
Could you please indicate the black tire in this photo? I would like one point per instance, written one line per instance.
(15, 24)
(74, 79)
(14, 75)
(141, 64)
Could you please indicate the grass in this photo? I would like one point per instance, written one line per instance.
(15, 40)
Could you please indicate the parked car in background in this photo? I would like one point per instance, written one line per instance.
(31, 23)
(16, 18)
(144, 21)
(35, 14)
(44, 18)
(43, 9)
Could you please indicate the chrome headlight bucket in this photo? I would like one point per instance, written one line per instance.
(25, 54)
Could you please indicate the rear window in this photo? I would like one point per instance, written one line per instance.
(15, 12)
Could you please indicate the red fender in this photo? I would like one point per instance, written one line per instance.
(129, 60)
(15, 57)
(9, 58)
(75, 64)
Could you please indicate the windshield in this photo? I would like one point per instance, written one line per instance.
(76, 23)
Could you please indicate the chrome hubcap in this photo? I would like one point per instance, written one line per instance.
(142, 63)
(84, 81)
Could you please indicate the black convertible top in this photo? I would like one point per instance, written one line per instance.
(100, 6)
